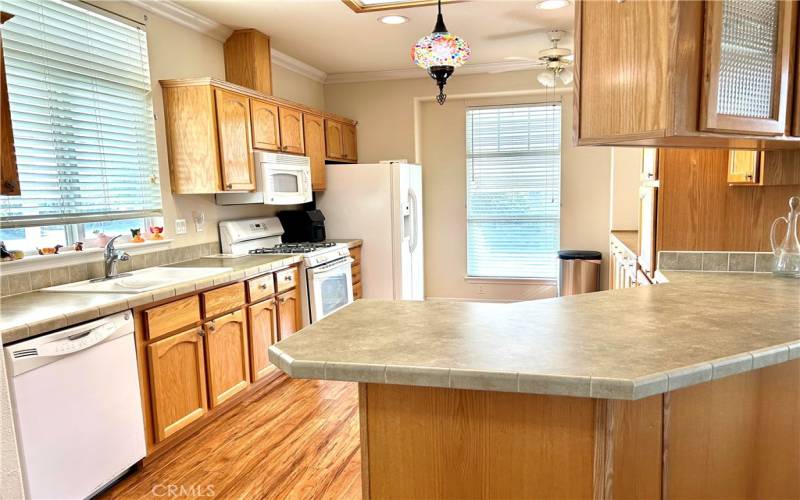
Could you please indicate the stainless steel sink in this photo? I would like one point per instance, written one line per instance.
(141, 281)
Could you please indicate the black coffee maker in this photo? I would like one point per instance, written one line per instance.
(301, 226)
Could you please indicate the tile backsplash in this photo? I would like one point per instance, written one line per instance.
(11, 284)
(734, 262)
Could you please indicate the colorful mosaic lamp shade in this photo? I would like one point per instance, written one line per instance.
(440, 53)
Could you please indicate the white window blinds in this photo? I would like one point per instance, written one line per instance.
(513, 191)
(82, 116)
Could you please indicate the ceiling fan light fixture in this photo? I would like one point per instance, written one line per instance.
(552, 4)
(393, 19)
(547, 79)
(566, 76)
(440, 53)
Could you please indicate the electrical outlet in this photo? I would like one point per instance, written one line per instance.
(180, 226)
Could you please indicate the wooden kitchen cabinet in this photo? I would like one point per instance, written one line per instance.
(177, 381)
(263, 330)
(9, 177)
(289, 321)
(227, 356)
(236, 159)
(743, 166)
(213, 127)
(745, 86)
(684, 81)
(314, 135)
(291, 125)
(340, 141)
(266, 128)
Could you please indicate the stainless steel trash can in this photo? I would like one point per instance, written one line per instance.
(578, 271)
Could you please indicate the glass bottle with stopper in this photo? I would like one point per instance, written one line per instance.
(787, 253)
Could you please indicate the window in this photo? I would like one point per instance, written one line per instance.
(82, 115)
(513, 191)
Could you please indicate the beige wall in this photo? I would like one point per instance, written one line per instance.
(626, 166)
(179, 52)
(388, 126)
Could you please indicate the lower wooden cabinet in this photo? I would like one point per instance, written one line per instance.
(177, 381)
(227, 358)
(288, 313)
(263, 330)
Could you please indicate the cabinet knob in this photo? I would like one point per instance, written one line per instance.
(229, 186)
(211, 326)
(200, 331)
(262, 286)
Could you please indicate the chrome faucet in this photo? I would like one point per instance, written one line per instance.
(111, 257)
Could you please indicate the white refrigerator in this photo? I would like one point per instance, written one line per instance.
(381, 204)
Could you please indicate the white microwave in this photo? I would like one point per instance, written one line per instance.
(281, 179)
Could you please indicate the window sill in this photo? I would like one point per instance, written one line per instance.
(71, 257)
(511, 281)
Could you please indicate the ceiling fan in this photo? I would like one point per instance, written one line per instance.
(555, 61)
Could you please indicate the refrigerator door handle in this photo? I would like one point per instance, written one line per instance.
(412, 199)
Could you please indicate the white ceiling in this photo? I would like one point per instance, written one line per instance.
(329, 36)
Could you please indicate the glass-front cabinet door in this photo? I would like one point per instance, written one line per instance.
(747, 66)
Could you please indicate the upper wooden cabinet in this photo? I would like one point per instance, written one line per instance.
(266, 129)
(248, 60)
(9, 178)
(291, 121)
(236, 159)
(340, 141)
(677, 73)
(213, 127)
(314, 134)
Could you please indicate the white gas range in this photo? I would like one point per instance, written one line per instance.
(326, 281)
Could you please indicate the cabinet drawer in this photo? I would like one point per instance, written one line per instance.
(357, 294)
(286, 279)
(223, 299)
(356, 274)
(172, 316)
(258, 288)
(355, 253)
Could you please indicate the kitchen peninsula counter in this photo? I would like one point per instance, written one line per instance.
(689, 389)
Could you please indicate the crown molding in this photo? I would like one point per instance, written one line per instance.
(414, 72)
(197, 22)
(297, 66)
(185, 17)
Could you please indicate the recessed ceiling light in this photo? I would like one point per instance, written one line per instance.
(552, 4)
(393, 19)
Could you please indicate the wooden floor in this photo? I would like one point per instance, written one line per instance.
(298, 439)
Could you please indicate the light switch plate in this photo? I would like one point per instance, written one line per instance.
(180, 226)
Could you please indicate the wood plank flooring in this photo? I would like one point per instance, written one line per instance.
(298, 439)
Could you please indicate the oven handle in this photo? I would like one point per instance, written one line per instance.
(331, 265)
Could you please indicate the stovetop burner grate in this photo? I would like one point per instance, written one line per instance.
(305, 247)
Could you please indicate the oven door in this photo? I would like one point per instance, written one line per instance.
(330, 287)
(286, 185)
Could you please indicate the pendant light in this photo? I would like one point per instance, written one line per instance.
(440, 53)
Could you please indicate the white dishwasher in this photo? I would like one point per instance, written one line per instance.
(77, 407)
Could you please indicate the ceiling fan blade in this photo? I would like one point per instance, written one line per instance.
(520, 67)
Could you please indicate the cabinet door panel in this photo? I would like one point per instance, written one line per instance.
(266, 130)
(227, 358)
(177, 382)
(349, 142)
(747, 55)
(263, 328)
(314, 132)
(233, 125)
(288, 313)
(334, 142)
(743, 166)
(291, 130)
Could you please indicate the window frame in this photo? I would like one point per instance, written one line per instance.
(499, 279)
(74, 226)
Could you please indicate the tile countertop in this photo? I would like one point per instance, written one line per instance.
(620, 344)
(29, 314)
